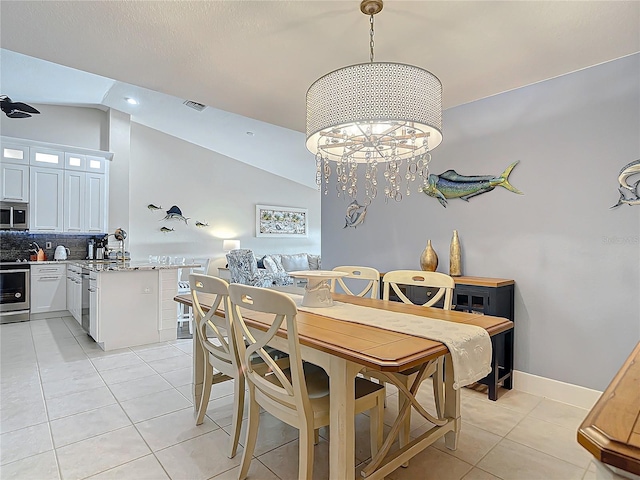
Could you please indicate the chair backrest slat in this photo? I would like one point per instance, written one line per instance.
(444, 283)
(360, 273)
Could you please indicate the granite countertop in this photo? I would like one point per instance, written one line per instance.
(119, 266)
(115, 265)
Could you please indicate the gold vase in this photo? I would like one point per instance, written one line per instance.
(455, 263)
(429, 259)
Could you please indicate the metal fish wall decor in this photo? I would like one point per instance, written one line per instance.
(151, 206)
(174, 213)
(451, 184)
(629, 190)
(165, 229)
(355, 214)
(202, 224)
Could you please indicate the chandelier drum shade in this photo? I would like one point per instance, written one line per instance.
(374, 113)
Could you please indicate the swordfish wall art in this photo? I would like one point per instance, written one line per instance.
(629, 180)
(451, 184)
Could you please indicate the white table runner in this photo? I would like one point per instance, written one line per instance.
(469, 345)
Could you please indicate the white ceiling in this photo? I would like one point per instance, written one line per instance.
(257, 58)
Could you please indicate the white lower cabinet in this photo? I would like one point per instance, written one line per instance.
(74, 292)
(94, 311)
(48, 288)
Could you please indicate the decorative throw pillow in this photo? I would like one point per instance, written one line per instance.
(269, 264)
(314, 262)
(277, 259)
(297, 262)
(261, 263)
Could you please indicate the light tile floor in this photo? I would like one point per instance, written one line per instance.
(68, 410)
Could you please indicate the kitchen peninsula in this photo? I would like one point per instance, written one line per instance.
(131, 303)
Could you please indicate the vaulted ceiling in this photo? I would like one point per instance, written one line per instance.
(257, 58)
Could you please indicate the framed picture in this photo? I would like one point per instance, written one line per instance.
(281, 221)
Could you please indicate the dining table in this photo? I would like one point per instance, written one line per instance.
(343, 349)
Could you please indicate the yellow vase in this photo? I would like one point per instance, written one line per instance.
(455, 262)
(429, 259)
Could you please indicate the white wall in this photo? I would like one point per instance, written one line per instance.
(74, 126)
(207, 187)
(575, 261)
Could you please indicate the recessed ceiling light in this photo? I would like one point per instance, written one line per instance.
(251, 134)
(131, 101)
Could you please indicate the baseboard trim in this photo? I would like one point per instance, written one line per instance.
(555, 390)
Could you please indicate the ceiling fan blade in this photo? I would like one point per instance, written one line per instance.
(16, 114)
(24, 107)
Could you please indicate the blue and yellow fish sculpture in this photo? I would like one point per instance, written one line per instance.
(451, 184)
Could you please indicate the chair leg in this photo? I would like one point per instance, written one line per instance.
(190, 320)
(236, 423)
(206, 392)
(438, 388)
(305, 453)
(252, 434)
(316, 436)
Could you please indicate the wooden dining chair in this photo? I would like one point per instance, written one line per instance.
(440, 286)
(368, 274)
(298, 395)
(219, 348)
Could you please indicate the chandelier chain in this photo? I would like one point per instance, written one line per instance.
(371, 38)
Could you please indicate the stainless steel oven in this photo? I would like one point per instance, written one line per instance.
(14, 216)
(14, 292)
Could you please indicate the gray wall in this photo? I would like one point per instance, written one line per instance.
(575, 261)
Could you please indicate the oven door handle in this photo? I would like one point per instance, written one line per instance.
(14, 271)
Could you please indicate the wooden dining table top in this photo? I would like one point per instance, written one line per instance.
(365, 345)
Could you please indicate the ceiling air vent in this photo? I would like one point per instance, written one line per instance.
(195, 105)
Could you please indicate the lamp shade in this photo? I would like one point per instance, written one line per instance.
(228, 245)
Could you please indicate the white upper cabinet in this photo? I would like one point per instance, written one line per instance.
(15, 154)
(74, 201)
(85, 202)
(45, 157)
(14, 182)
(46, 199)
(73, 161)
(96, 164)
(95, 203)
(67, 187)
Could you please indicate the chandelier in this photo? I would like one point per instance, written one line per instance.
(374, 113)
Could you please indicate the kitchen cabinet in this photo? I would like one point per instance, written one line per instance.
(14, 153)
(74, 292)
(46, 157)
(67, 187)
(85, 198)
(14, 182)
(46, 199)
(48, 288)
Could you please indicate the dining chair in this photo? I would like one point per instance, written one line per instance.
(439, 286)
(371, 275)
(298, 395)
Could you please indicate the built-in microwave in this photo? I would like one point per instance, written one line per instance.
(14, 216)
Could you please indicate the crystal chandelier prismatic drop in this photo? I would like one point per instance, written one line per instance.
(374, 113)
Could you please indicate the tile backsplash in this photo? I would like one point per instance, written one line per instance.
(15, 245)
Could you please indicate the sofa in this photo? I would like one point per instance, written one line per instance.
(282, 264)
(243, 268)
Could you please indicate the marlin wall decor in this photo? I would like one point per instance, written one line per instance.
(451, 184)
(629, 192)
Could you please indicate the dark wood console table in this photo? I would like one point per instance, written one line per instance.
(481, 295)
(611, 431)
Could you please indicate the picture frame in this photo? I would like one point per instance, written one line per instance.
(273, 221)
